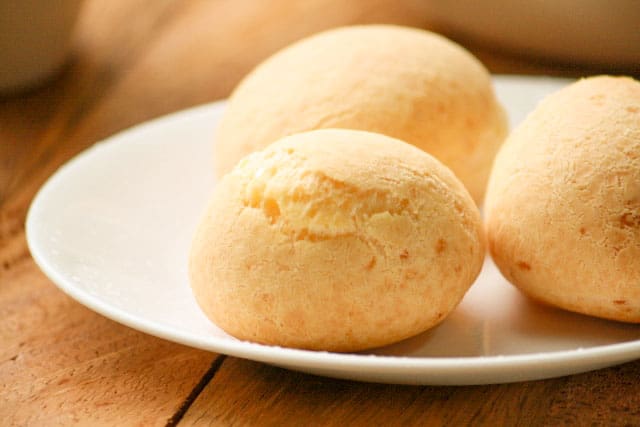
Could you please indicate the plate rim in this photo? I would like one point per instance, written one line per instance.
(292, 357)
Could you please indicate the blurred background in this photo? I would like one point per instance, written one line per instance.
(131, 60)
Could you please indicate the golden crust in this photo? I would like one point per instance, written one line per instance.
(406, 83)
(335, 240)
(563, 203)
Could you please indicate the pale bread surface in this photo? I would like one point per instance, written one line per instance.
(335, 240)
(406, 83)
(563, 202)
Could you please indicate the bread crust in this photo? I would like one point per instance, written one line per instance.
(335, 240)
(563, 203)
(406, 83)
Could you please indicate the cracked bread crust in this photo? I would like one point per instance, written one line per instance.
(335, 240)
(563, 202)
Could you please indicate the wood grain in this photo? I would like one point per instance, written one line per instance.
(61, 364)
(249, 393)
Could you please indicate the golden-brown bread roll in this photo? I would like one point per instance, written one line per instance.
(335, 240)
(563, 203)
(406, 83)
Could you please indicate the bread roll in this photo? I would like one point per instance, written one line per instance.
(563, 204)
(335, 240)
(406, 83)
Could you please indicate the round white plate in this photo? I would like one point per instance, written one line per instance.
(112, 229)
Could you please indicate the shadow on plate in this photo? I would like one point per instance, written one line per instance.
(519, 325)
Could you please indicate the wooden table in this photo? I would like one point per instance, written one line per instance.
(62, 364)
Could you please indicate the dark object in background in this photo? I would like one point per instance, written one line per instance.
(589, 32)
